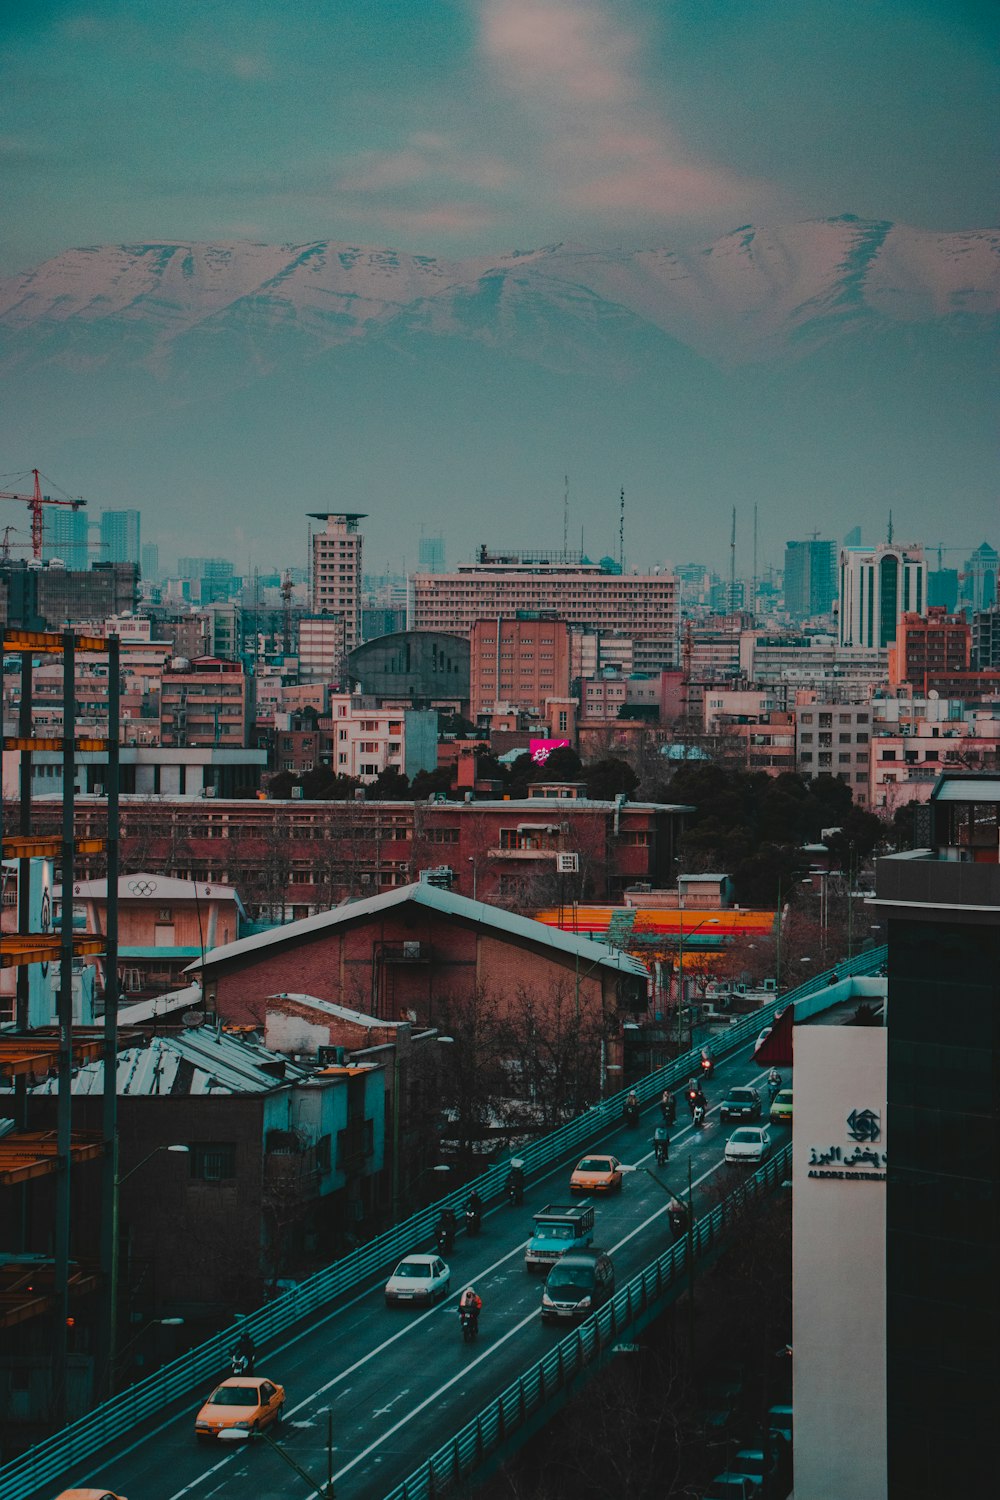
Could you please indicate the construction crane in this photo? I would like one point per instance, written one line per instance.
(34, 502)
(6, 545)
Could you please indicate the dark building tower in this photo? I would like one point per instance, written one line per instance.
(941, 906)
(810, 578)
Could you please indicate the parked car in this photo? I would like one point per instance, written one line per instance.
(740, 1104)
(722, 1395)
(578, 1284)
(781, 1108)
(418, 1279)
(751, 1143)
(240, 1407)
(597, 1174)
(729, 1486)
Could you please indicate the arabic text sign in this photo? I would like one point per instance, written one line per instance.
(540, 750)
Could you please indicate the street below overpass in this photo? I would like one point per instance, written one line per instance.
(399, 1382)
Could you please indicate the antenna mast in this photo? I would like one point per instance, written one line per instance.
(732, 564)
(888, 535)
(565, 517)
(621, 529)
(753, 594)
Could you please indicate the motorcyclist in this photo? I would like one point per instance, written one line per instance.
(661, 1144)
(698, 1116)
(668, 1107)
(773, 1082)
(444, 1233)
(473, 1212)
(696, 1097)
(515, 1183)
(631, 1107)
(677, 1212)
(470, 1305)
(244, 1353)
(706, 1064)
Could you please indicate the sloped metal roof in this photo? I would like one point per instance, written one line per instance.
(198, 1061)
(447, 903)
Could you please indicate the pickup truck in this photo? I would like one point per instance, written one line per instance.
(558, 1227)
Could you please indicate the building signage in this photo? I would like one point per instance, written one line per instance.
(540, 750)
(863, 1163)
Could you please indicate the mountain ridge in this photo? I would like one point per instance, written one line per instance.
(755, 295)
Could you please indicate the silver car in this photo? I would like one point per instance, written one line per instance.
(421, 1279)
(751, 1143)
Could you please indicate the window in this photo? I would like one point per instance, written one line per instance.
(844, 759)
(213, 1161)
(806, 739)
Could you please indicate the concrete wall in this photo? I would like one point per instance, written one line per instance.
(838, 1227)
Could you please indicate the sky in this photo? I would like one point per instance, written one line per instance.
(452, 126)
(472, 127)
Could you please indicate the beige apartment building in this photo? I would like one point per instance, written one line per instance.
(335, 583)
(640, 606)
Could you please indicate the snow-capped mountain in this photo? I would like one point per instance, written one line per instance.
(754, 295)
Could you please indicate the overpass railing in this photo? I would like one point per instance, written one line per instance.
(631, 1308)
(76, 1442)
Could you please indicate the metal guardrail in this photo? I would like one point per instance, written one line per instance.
(631, 1307)
(76, 1442)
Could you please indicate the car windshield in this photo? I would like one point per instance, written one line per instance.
(746, 1137)
(235, 1395)
(594, 1164)
(742, 1095)
(785, 1097)
(749, 1463)
(557, 1231)
(568, 1287)
(420, 1269)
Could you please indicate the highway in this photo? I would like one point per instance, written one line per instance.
(400, 1381)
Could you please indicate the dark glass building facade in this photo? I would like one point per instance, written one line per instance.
(942, 911)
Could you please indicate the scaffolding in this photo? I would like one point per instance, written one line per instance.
(29, 1053)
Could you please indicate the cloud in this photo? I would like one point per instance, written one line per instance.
(427, 157)
(599, 131)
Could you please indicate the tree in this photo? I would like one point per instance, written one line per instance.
(390, 785)
(431, 783)
(610, 778)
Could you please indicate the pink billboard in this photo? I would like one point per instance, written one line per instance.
(540, 750)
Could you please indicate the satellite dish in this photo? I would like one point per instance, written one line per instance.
(933, 694)
(193, 1018)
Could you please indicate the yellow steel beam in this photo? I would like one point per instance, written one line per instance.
(17, 948)
(44, 845)
(49, 641)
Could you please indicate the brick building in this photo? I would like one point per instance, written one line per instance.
(204, 702)
(418, 953)
(289, 858)
(928, 647)
(521, 663)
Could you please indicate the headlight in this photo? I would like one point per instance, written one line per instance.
(547, 1300)
(583, 1302)
(243, 1426)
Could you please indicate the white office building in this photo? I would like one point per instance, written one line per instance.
(878, 585)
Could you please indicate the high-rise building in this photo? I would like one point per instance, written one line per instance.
(150, 561)
(65, 536)
(640, 606)
(986, 640)
(878, 585)
(979, 588)
(941, 907)
(853, 537)
(335, 585)
(810, 578)
(431, 554)
(942, 588)
(120, 536)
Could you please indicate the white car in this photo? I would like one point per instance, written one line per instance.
(749, 1143)
(419, 1279)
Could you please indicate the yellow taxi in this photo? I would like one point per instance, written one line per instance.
(597, 1174)
(240, 1407)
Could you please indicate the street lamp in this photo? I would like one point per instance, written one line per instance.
(113, 1267)
(153, 1323)
(706, 922)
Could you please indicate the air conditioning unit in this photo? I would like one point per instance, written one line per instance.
(567, 864)
(411, 950)
(297, 793)
(330, 1057)
(770, 984)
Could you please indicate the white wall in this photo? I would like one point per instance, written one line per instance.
(838, 1240)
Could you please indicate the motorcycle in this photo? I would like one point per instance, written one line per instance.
(661, 1146)
(470, 1324)
(678, 1220)
(698, 1117)
(696, 1100)
(706, 1065)
(444, 1232)
(242, 1363)
(631, 1112)
(473, 1220)
(668, 1108)
(515, 1186)
(773, 1084)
